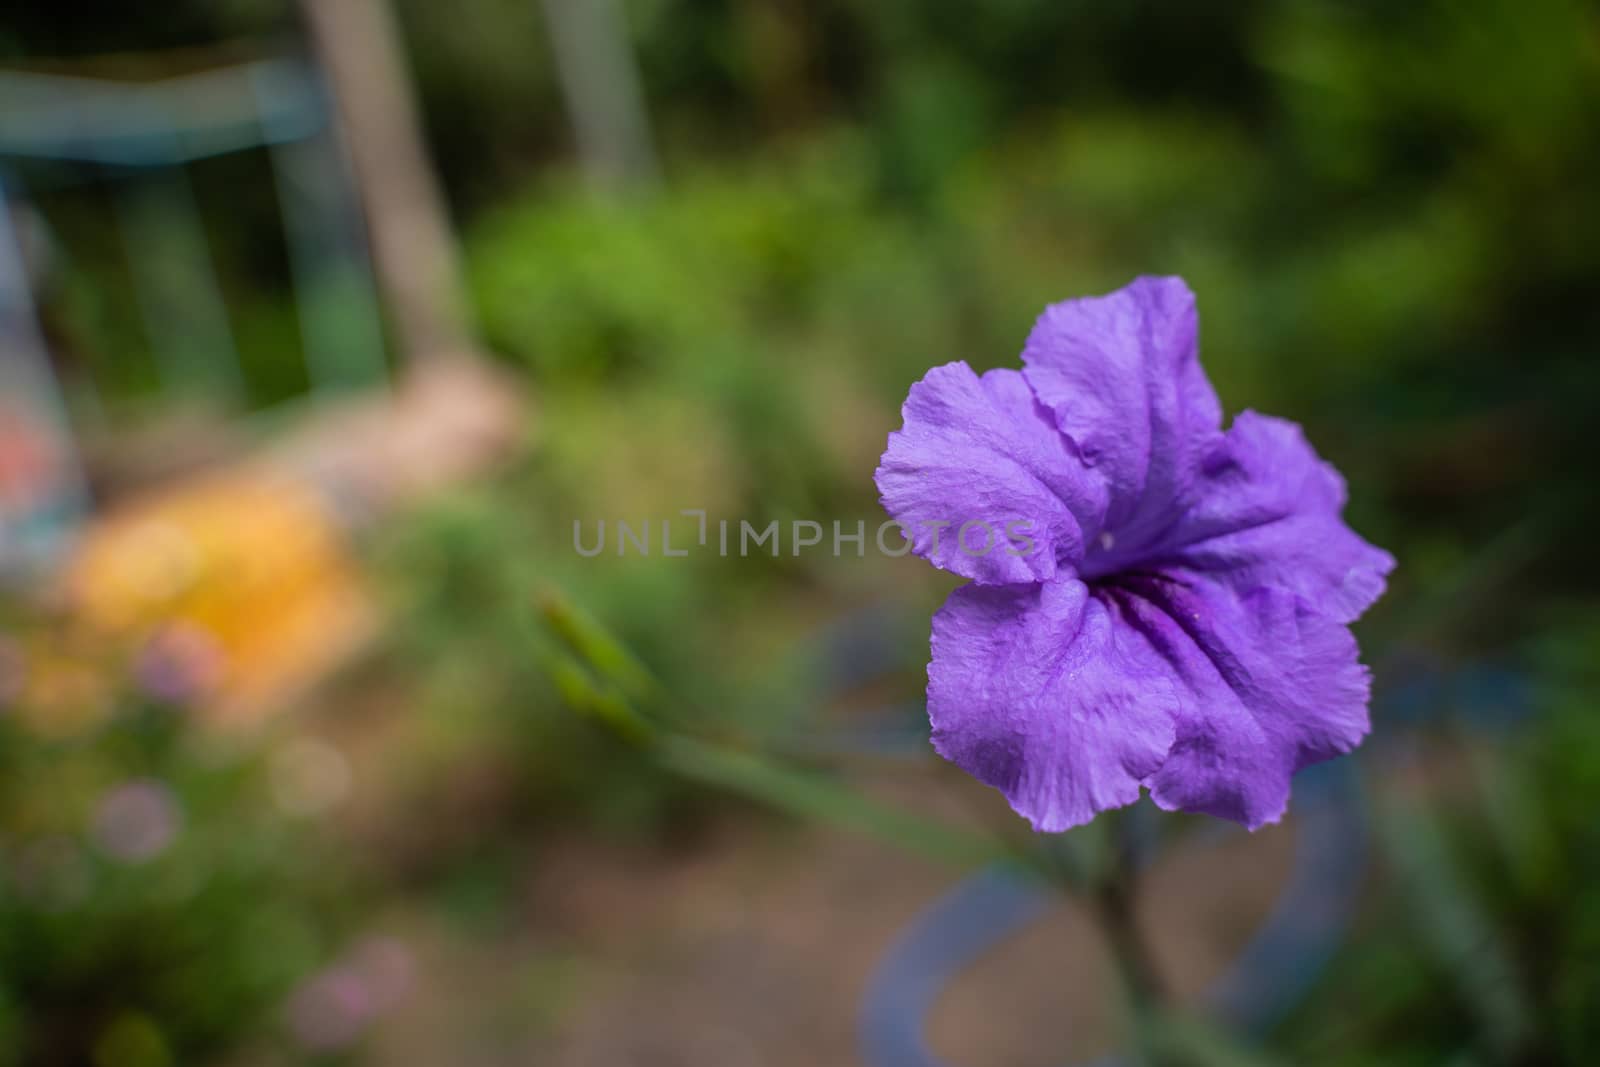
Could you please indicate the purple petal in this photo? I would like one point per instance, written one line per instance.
(1121, 376)
(1268, 513)
(1067, 696)
(1269, 684)
(1040, 692)
(980, 451)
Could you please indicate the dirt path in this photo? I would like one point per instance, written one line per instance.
(751, 947)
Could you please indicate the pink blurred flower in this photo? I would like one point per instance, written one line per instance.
(137, 821)
(331, 1009)
(334, 1007)
(179, 664)
(387, 967)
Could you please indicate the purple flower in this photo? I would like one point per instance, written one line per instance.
(1164, 603)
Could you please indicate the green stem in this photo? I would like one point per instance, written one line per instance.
(1148, 996)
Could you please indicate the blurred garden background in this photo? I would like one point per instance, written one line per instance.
(320, 744)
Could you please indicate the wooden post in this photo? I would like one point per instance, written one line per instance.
(413, 247)
(600, 81)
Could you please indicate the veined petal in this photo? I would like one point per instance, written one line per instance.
(1268, 513)
(1269, 684)
(1042, 693)
(980, 451)
(1067, 696)
(1121, 376)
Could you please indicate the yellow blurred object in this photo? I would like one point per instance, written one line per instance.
(251, 559)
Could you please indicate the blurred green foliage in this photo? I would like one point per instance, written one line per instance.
(157, 905)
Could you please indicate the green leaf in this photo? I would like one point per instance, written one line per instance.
(1171, 1038)
(604, 653)
(1456, 929)
(825, 799)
